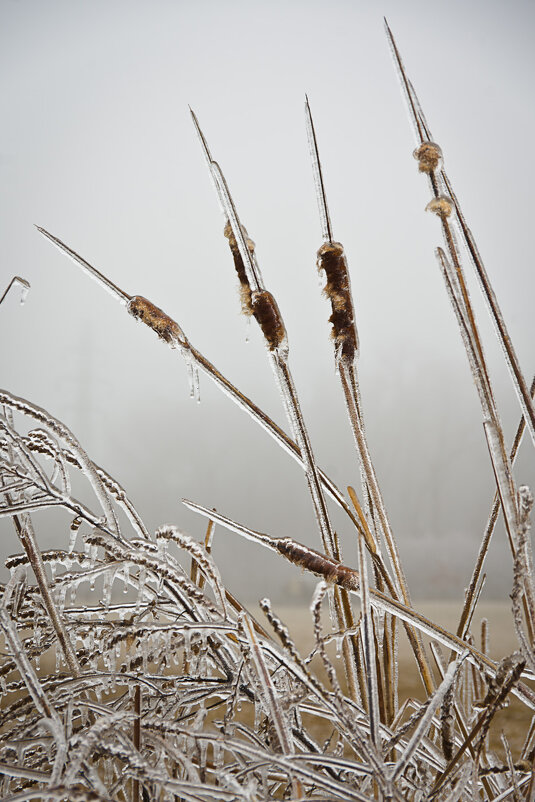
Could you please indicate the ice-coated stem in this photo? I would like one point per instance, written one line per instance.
(335, 572)
(245, 403)
(367, 636)
(40, 699)
(60, 430)
(27, 537)
(91, 271)
(332, 260)
(427, 718)
(347, 374)
(295, 417)
(437, 176)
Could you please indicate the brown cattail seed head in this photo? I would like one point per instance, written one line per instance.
(164, 326)
(245, 289)
(327, 567)
(429, 157)
(269, 319)
(331, 259)
(442, 206)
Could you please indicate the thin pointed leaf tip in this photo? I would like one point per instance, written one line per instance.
(318, 175)
(116, 291)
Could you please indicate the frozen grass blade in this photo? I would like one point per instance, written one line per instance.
(425, 722)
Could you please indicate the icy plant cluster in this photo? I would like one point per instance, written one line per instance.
(164, 687)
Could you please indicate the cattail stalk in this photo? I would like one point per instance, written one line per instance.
(332, 261)
(438, 176)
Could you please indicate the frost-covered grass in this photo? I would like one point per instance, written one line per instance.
(165, 687)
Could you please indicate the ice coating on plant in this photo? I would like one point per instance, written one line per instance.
(24, 288)
(166, 687)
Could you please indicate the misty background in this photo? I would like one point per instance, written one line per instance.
(97, 146)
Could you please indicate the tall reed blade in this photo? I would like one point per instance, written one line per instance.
(266, 312)
(430, 160)
(332, 260)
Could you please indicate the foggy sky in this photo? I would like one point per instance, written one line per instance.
(97, 146)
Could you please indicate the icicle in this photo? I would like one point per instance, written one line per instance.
(68, 719)
(218, 755)
(58, 657)
(258, 717)
(107, 588)
(75, 526)
(193, 375)
(126, 578)
(144, 654)
(167, 647)
(61, 593)
(187, 644)
(141, 585)
(108, 772)
(203, 748)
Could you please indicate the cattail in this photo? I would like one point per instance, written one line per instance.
(245, 287)
(165, 327)
(332, 260)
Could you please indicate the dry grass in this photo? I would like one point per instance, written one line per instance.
(130, 672)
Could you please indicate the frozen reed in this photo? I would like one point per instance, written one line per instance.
(165, 687)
